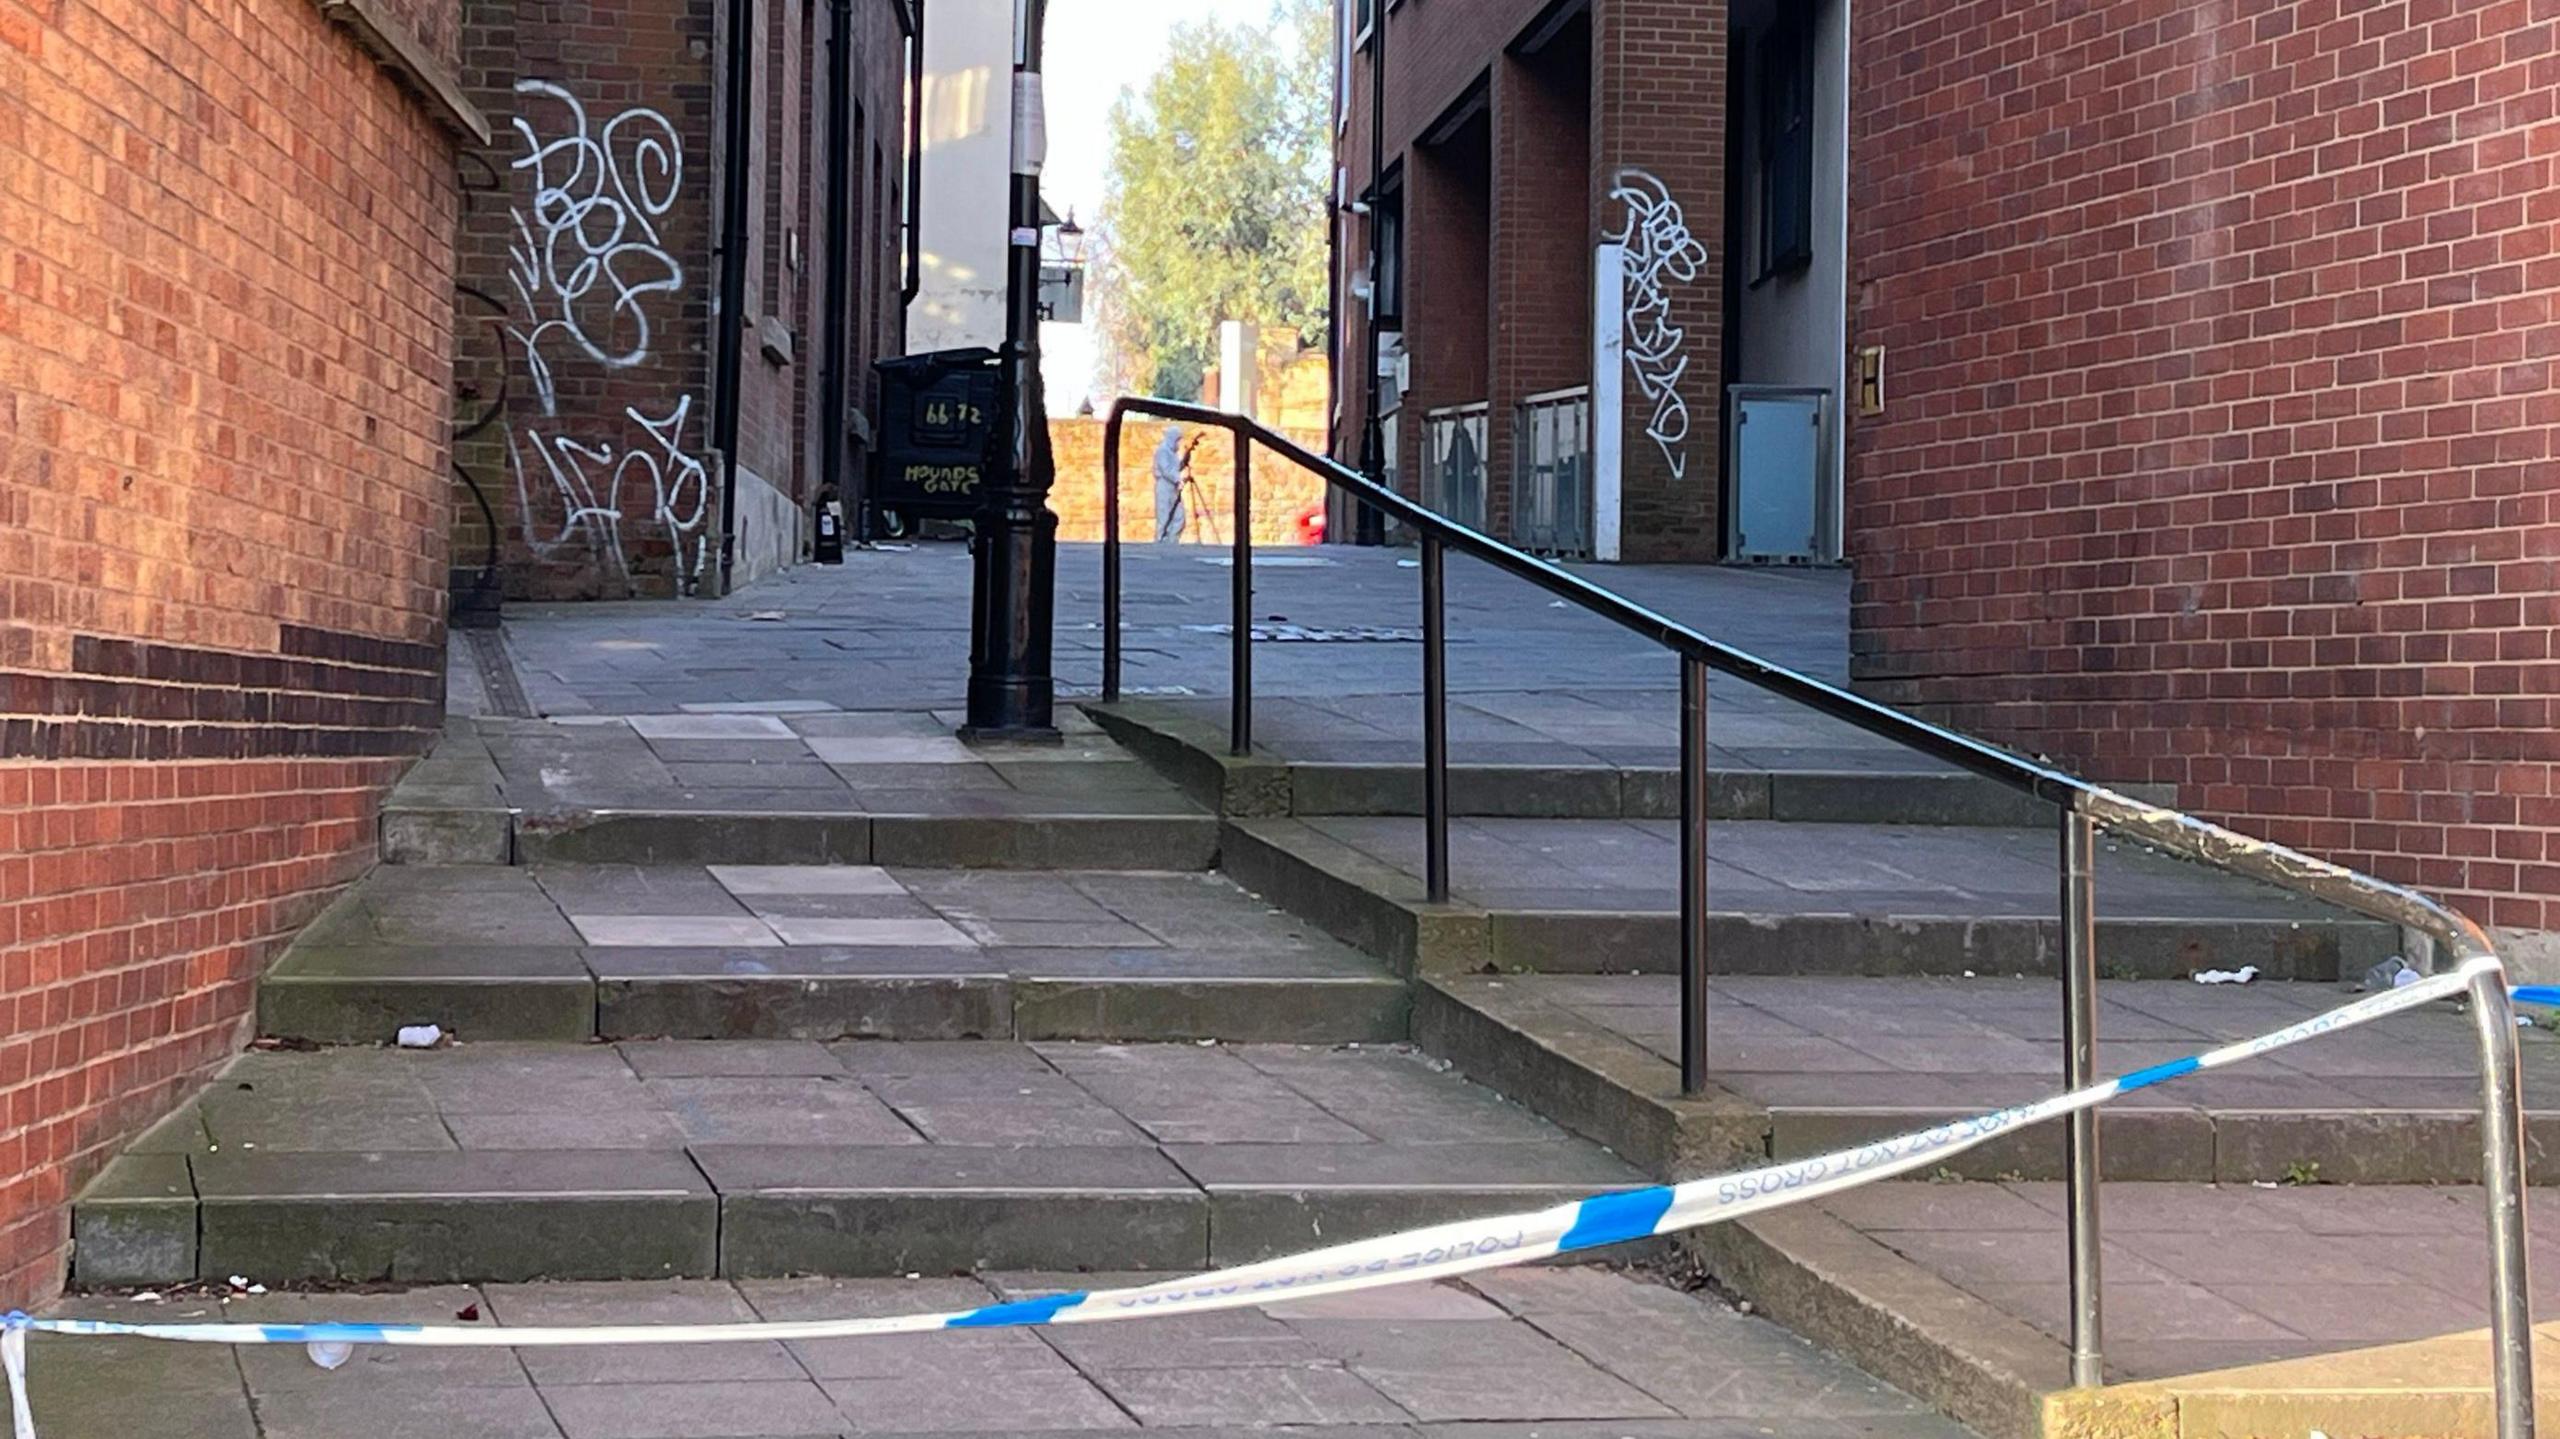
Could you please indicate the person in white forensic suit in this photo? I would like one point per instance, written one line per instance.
(1171, 515)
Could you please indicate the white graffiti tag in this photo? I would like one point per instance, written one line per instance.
(1660, 253)
(598, 486)
(586, 260)
(587, 257)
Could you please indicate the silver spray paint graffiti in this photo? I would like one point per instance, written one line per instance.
(1660, 254)
(586, 264)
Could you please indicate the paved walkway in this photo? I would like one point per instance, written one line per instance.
(745, 1159)
(1834, 1061)
(2202, 1277)
(1531, 1354)
(804, 759)
(1339, 647)
(1776, 868)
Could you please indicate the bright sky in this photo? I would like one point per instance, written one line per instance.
(1097, 49)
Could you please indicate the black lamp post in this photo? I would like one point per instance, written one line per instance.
(1368, 526)
(1012, 691)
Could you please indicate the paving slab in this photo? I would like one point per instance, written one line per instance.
(359, 1217)
(1602, 896)
(1822, 1064)
(2197, 1278)
(1279, 1370)
(679, 1159)
(823, 952)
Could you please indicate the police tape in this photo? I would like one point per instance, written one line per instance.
(1441, 1251)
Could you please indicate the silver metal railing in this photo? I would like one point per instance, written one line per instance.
(1551, 474)
(1453, 461)
(2086, 809)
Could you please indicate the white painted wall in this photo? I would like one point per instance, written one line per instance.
(1795, 328)
(968, 167)
(769, 530)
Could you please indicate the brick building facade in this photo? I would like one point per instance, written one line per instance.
(1553, 172)
(224, 356)
(587, 310)
(2219, 450)
(2213, 444)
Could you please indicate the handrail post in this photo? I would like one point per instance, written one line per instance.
(1435, 717)
(1240, 713)
(1111, 432)
(1693, 877)
(2502, 1171)
(2079, 1071)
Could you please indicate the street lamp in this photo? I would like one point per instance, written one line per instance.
(1012, 691)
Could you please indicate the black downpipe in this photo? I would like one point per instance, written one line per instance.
(1368, 527)
(836, 387)
(731, 341)
(914, 284)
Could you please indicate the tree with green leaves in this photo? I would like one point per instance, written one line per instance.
(1215, 207)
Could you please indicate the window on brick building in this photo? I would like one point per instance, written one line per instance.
(1389, 217)
(1364, 14)
(1786, 147)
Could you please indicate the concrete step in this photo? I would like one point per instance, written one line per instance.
(1958, 1292)
(756, 788)
(1825, 787)
(504, 1162)
(1601, 896)
(950, 841)
(573, 952)
(1802, 1067)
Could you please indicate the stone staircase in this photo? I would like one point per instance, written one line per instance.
(760, 995)
(1004, 1024)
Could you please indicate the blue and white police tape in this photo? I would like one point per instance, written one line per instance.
(1439, 1252)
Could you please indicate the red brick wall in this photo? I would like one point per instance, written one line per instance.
(1282, 492)
(1542, 247)
(1660, 116)
(587, 405)
(1637, 88)
(588, 435)
(226, 241)
(2220, 443)
(1448, 294)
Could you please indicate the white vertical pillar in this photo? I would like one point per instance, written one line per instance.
(1608, 398)
(1239, 367)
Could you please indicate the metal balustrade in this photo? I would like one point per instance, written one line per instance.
(2085, 810)
(1551, 474)
(1453, 461)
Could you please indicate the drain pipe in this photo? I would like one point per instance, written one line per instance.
(731, 333)
(836, 388)
(914, 285)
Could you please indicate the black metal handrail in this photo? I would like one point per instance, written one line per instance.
(2086, 808)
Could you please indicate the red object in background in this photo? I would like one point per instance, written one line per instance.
(1311, 525)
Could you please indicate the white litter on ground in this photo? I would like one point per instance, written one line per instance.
(2243, 975)
(420, 1036)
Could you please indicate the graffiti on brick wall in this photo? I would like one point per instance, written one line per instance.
(1660, 253)
(592, 277)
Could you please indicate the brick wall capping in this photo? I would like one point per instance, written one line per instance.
(393, 46)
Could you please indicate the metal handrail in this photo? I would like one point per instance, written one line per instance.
(2087, 808)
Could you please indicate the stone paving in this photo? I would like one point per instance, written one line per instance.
(824, 952)
(1549, 1353)
(1833, 1062)
(833, 693)
(1776, 868)
(746, 1158)
(889, 630)
(804, 760)
(2201, 1277)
